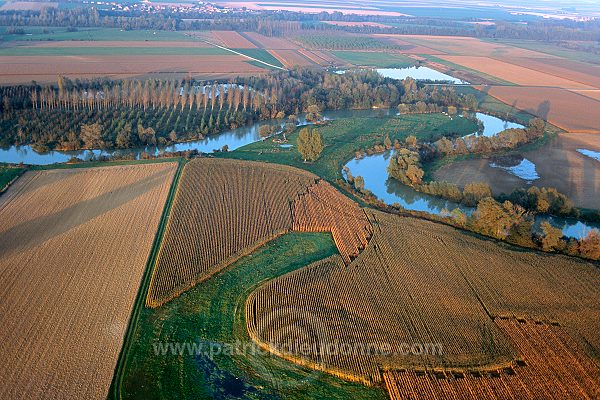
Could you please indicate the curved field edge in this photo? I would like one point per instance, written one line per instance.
(507, 305)
(115, 387)
(213, 314)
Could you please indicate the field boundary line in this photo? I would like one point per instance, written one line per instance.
(116, 385)
(243, 55)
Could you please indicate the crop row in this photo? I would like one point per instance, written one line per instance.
(552, 365)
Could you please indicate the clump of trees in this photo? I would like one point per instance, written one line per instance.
(476, 144)
(405, 166)
(310, 144)
(543, 200)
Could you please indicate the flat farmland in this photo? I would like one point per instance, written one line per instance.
(517, 74)
(73, 248)
(15, 69)
(592, 94)
(570, 111)
(421, 282)
(574, 71)
(225, 209)
(114, 43)
(291, 58)
(233, 39)
(360, 23)
(551, 363)
(272, 43)
(558, 164)
(468, 46)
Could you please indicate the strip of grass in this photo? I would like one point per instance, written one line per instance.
(7, 174)
(100, 34)
(111, 51)
(343, 137)
(133, 327)
(260, 54)
(92, 164)
(375, 59)
(213, 315)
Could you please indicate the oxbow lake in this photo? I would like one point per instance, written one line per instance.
(373, 169)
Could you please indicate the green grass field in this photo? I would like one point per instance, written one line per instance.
(345, 136)
(373, 59)
(213, 315)
(99, 34)
(7, 174)
(260, 54)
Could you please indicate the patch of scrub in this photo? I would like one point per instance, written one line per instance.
(524, 170)
(590, 153)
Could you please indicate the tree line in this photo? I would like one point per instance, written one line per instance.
(131, 113)
(282, 23)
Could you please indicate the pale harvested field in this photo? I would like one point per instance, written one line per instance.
(111, 43)
(349, 23)
(420, 282)
(514, 73)
(409, 48)
(291, 58)
(567, 110)
(554, 364)
(273, 43)
(558, 164)
(27, 5)
(73, 248)
(301, 7)
(26, 68)
(570, 70)
(321, 57)
(468, 46)
(233, 39)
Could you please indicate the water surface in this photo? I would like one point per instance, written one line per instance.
(419, 73)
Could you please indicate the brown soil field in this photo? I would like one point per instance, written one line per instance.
(233, 39)
(514, 73)
(567, 110)
(273, 43)
(566, 69)
(321, 57)
(291, 58)
(592, 94)
(551, 364)
(420, 282)
(558, 164)
(468, 46)
(48, 68)
(407, 47)
(109, 43)
(224, 209)
(73, 248)
(27, 5)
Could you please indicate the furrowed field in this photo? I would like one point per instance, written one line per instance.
(225, 209)
(551, 365)
(73, 249)
(418, 282)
